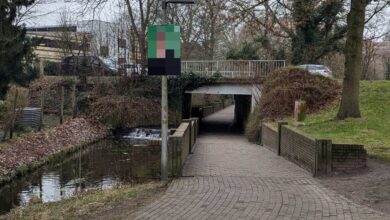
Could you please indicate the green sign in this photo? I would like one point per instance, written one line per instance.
(164, 50)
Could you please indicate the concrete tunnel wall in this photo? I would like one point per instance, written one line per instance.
(245, 98)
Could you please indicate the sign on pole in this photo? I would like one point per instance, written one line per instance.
(164, 50)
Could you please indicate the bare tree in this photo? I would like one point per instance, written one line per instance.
(187, 17)
(142, 13)
(204, 26)
(369, 54)
(70, 42)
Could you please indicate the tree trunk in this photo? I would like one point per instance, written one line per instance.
(349, 106)
(142, 49)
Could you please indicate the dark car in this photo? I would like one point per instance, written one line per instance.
(90, 65)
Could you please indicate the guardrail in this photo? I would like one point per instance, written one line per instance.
(242, 69)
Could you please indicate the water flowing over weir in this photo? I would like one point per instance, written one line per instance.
(101, 165)
(142, 135)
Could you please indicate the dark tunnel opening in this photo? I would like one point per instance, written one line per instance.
(228, 116)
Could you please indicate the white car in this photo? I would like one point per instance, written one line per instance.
(317, 69)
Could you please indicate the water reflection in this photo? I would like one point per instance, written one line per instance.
(100, 166)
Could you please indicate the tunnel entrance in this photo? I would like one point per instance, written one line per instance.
(218, 113)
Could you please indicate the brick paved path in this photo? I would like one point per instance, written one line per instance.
(229, 178)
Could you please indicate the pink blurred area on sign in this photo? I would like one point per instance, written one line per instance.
(161, 45)
(160, 53)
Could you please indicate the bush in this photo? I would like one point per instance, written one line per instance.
(125, 112)
(252, 127)
(284, 86)
(52, 68)
(3, 110)
(82, 102)
(280, 91)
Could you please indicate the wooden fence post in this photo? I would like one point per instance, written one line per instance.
(41, 67)
(329, 146)
(42, 106)
(280, 124)
(74, 108)
(323, 157)
(11, 131)
(62, 105)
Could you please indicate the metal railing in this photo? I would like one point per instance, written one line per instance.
(242, 69)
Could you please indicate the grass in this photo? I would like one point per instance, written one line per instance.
(84, 204)
(372, 130)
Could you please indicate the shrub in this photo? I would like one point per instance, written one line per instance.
(125, 112)
(52, 68)
(82, 102)
(280, 91)
(252, 127)
(284, 86)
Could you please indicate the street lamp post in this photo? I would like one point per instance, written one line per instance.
(164, 101)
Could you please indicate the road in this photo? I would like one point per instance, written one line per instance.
(229, 178)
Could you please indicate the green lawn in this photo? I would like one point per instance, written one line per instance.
(372, 130)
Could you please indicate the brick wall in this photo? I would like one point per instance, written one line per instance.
(298, 148)
(320, 157)
(269, 137)
(346, 157)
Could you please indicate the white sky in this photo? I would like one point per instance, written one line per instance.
(48, 12)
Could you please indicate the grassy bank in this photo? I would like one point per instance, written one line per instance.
(372, 130)
(109, 204)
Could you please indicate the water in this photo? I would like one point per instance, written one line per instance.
(140, 135)
(102, 165)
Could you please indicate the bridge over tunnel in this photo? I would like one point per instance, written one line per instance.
(244, 98)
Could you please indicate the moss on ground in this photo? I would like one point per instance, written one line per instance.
(372, 130)
(86, 204)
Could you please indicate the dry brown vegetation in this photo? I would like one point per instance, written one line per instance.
(32, 150)
(125, 111)
(282, 88)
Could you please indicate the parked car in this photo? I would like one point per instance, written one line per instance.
(317, 69)
(134, 69)
(91, 65)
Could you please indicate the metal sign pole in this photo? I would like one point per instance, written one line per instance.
(164, 117)
(164, 101)
(164, 128)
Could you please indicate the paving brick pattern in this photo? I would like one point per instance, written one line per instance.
(229, 178)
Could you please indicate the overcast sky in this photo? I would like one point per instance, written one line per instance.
(48, 12)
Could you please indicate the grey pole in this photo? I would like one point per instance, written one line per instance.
(164, 101)
(164, 117)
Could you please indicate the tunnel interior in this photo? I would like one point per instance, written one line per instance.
(229, 116)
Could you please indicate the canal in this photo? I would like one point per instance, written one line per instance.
(102, 165)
